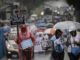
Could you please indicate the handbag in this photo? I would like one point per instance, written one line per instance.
(59, 49)
(26, 44)
(75, 50)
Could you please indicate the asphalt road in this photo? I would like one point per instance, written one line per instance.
(43, 56)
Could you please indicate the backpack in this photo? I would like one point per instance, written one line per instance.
(59, 47)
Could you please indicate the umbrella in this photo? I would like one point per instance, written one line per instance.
(47, 31)
(40, 30)
(69, 25)
(50, 31)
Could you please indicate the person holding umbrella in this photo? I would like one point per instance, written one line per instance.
(73, 39)
(25, 42)
(58, 47)
(74, 45)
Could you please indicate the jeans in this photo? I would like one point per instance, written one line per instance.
(57, 56)
(73, 57)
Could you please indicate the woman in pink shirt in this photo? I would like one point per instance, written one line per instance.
(25, 35)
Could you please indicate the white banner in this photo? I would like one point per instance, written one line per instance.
(38, 47)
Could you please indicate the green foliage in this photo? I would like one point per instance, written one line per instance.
(1, 2)
(75, 3)
(31, 3)
(71, 2)
(38, 2)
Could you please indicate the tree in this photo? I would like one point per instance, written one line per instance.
(76, 4)
(31, 4)
(1, 2)
(47, 11)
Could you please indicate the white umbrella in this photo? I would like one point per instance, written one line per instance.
(69, 25)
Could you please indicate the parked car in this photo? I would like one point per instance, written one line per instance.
(12, 49)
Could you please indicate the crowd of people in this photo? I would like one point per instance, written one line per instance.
(72, 44)
(58, 43)
(27, 42)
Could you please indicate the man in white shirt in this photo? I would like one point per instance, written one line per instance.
(74, 47)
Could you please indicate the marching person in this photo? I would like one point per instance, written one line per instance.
(58, 46)
(7, 30)
(3, 48)
(74, 45)
(38, 46)
(46, 42)
(25, 42)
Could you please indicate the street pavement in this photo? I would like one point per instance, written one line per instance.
(47, 56)
(43, 56)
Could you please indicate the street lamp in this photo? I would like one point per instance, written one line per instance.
(42, 13)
